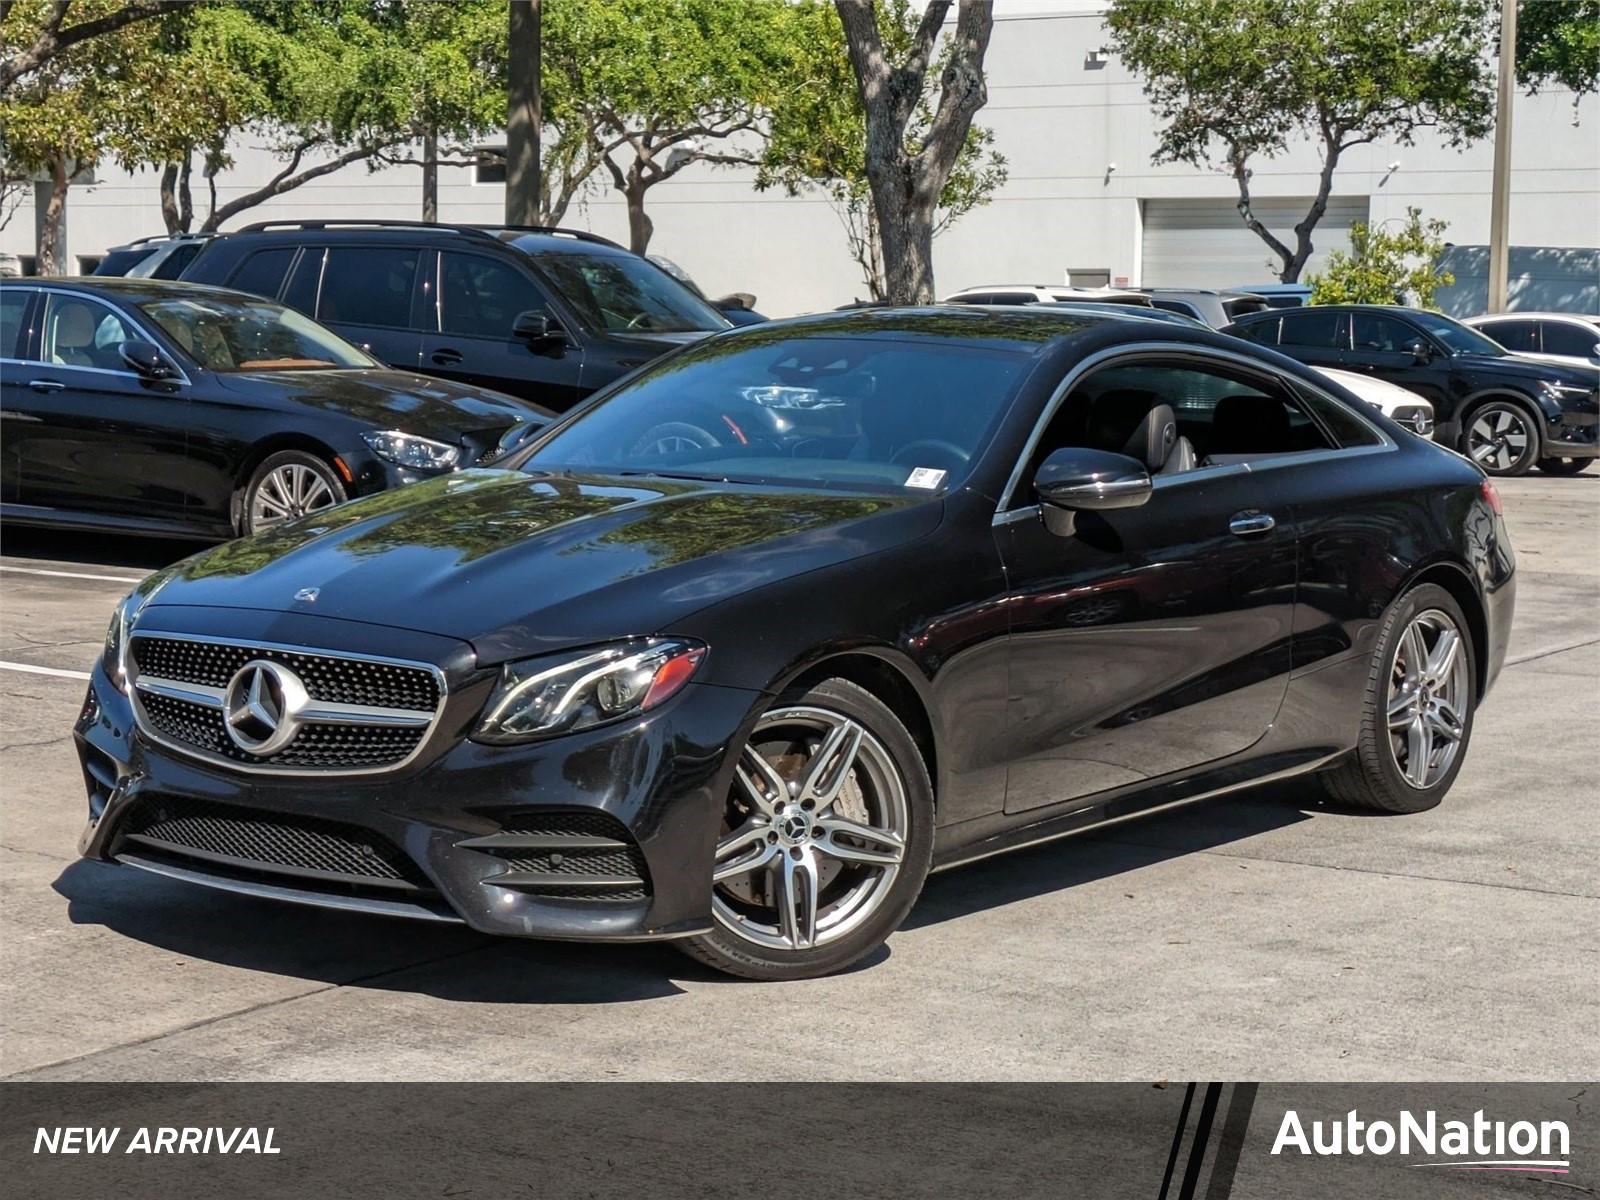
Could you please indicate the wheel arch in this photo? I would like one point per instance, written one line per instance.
(1458, 581)
(1477, 400)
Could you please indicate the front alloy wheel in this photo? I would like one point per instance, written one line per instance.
(1502, 439)
(825, 839)
(287, 486)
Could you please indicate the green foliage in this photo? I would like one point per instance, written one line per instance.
(818, 136)
(1558, 43)
(1385, 266)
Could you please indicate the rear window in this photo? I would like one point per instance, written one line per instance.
(261, 273)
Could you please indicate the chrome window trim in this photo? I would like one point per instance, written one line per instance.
(1004, 514)
(160, 343)
(326, 710)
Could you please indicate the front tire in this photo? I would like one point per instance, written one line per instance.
(288, 485)
(1564, 466)
(1502, 438)
(826, 838)
(1417, 709)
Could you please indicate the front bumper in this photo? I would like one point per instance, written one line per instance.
(1572, 434)
(466, 833)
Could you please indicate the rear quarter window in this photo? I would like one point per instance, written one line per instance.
(1265, 332)
(261, 273)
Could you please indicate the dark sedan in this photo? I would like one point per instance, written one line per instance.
(147, 406)
(738, 653)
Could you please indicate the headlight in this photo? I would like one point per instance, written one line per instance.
(1558, 391)
(541, 697)
(409, 450)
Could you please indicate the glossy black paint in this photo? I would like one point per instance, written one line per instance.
(123, 450)
(1454, 383)
(554, 375)
(1052, 681)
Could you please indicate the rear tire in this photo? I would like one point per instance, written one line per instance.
(826, 838)
(1418, 707)
(1502, 437)
(1564, 466)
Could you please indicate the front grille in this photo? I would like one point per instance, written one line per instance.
(334, 741)
(230, 836)
(568, 855)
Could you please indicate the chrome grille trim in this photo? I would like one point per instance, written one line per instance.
(207, 698)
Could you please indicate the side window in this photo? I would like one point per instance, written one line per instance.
(13, 307)
(79, 332)
(261, 273)
(307, 278)
(368, 285)
(1265, 332)
(1372, 333)
(481, 297)
(1324, 330)
(1338, 420)
(1520, 336)
(1563, 337)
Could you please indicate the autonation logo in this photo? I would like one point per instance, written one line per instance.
(1476, 1145)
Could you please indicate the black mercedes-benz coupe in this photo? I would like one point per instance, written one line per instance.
(146, 406)
(738, 652)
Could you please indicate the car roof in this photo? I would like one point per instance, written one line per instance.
(531, 239)
(125, 287)
(1586, 318)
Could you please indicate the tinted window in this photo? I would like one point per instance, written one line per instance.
(624, 293)
(368, 285)
(120, 262)
(79, 332)
(1265, 332)
(1340, 421)
(1458, 338)
(1561, 337)
(261, 273)
(13, 306)
(482, 297)
(302, 290)
(172, 266)
(226, 334)
(1312, 328)
(1520, 336)
(826, 411)
(1376, 334)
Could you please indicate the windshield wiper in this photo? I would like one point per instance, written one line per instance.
(634, 472)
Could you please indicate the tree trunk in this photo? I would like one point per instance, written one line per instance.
(430, 175)
(1319, 207)
(640, 226)
(523, 113)
(51, 251)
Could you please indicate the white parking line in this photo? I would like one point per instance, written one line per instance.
(69, 574)
(33, 670)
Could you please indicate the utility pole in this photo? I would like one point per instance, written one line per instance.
(522, 115)
(1500, 205)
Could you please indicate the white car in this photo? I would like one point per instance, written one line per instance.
(1393, 401)
(1571, 339)
(1044, 293)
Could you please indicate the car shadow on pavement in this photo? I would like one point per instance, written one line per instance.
(95, 549)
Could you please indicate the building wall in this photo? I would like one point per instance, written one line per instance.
(1061, 122)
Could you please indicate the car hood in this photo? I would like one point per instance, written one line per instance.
(387, 399)
(518, 564)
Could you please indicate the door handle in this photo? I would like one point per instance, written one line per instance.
(46, 385)
(1251, 523)
(446, 357)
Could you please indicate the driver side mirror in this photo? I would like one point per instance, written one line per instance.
(146, 360)
(537, 329)
(1420, 351)
(1076, 478)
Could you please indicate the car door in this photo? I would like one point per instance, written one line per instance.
(16, 341)
(1381, 346)
(370, 295)
(1157, 638)
(95, 436)
(477, 298)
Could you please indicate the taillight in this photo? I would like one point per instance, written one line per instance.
(1492, 498)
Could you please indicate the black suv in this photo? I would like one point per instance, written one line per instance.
(1506, 412)
(549, 315)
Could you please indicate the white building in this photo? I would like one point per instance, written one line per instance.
(1083, 198)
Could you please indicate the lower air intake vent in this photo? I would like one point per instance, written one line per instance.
(567, 855)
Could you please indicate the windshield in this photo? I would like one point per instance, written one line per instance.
(223, 333)
(625, 294)
(763, 407)
(1457, 338)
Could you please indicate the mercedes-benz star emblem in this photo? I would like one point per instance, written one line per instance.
(262, 707)
(308, 595)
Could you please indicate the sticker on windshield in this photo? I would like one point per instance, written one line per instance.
(925, 477)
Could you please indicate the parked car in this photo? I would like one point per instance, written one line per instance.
(1506, 412)
(1044, 293)
(548, 315)
(737, 653)
(161, 256)
(147, 406)
(738, 307)
(1279, 295)
(1396, 403)
(1216, 309)
(1567, 339)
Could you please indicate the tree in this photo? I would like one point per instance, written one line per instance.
(34, 31)
(818, 138)
(907, 174)
(1235, 82)
(1558, 42)
(1385, 266)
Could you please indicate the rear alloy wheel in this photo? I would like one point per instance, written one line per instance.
(825, 840)
(286, 486)
(1419, 708)
(1564, 466)
(1502, 438)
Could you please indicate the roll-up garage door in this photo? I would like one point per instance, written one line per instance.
(1203, 243)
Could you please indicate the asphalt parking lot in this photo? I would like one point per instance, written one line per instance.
(1264, 935)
